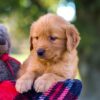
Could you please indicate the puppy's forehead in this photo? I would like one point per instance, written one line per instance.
(50, 25)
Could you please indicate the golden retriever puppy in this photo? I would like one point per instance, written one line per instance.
(53, 56)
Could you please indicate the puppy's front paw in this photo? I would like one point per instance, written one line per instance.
(42, 85)
(23, 85)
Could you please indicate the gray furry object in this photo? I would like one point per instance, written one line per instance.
(5, 73)
(5, 46)
(4, 35)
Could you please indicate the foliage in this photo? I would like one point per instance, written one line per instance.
(18, 15)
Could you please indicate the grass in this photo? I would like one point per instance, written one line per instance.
(22, 57)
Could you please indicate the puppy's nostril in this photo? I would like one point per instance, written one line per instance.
(40, 52)
(2, 41)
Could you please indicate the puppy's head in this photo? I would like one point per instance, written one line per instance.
(51, 36)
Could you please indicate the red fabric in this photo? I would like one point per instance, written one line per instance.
(7, 91)
(4, 57)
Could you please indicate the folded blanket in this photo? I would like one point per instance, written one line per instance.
(67, 90)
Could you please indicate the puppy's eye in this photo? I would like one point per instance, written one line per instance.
(52, 38)
(37, 38)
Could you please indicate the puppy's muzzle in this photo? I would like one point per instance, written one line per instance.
(41, 52)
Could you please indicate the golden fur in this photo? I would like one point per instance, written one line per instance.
(60, 60)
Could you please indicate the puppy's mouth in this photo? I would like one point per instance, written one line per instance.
(48, 58)
(44, 57)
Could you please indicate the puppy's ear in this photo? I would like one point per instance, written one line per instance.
(31, 45)
(73, 37)
(31, 32)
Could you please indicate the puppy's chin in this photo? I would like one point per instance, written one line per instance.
(44, 59)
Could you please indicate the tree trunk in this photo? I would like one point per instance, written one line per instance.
(88, 23)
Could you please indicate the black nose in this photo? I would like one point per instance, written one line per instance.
(40, 52)
(2, 41)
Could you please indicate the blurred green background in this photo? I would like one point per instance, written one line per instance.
(17, 16)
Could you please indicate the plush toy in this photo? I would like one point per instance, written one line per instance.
(8, 65)
(65, 90)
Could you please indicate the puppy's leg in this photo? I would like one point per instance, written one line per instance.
(44, 82)
(25, 82)
(26, 76)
